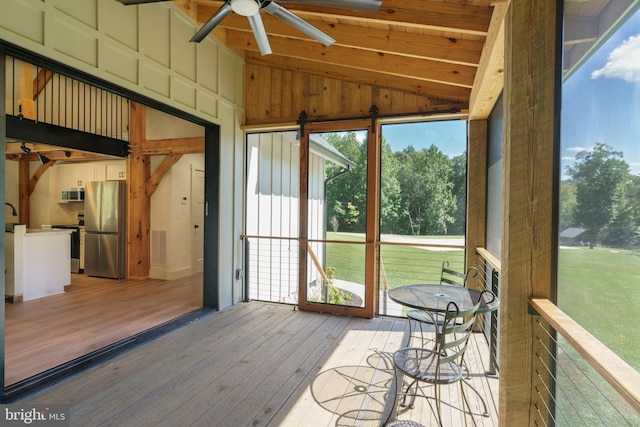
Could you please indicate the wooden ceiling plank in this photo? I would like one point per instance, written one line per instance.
(447, 49)
(425, 88)
(431, 14)
(420, 69)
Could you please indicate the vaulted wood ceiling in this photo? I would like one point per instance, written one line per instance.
(433, 47)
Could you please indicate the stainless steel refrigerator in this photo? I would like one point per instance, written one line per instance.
(104, 220)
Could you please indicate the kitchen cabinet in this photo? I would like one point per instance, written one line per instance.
(75, 175)
(116, 171)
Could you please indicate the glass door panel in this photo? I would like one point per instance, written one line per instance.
(422, 203)
(337, 221)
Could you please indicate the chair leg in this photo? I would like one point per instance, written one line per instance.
(438, 409)
(484, 403)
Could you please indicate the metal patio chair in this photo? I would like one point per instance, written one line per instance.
(442, 364)
(448, 276)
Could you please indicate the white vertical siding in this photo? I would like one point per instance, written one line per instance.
(272, 211)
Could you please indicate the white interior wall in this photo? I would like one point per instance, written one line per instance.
(146, 49)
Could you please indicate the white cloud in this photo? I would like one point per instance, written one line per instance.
(568, 158)
(624, 62)
(579, 149)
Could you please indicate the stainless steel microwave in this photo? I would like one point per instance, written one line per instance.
(72, 195)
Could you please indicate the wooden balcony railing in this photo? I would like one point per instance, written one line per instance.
(622, 378)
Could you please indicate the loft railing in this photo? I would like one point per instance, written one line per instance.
(38, 94)
(579, 381)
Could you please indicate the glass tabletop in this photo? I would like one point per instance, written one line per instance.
(436, 297)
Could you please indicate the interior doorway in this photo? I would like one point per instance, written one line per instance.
(197, 219)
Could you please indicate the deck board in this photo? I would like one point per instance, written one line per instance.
(254, 364)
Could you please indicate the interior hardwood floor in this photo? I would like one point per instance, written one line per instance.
(93, 313)
(261, 364)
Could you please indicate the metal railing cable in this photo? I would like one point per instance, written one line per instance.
(570, 380)
(578, 382)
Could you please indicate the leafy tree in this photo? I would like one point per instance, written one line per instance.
(624, 228)
(346, 195)
(567, 205)
(599, 177)
(390, 191)
(458, 178)
(426, 197)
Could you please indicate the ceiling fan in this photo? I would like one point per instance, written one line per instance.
(251, 9)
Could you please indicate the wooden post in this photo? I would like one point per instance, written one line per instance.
(530, 131)
(476, 196)
(138, 200)
(23, 192)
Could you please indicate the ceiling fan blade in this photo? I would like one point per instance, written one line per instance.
(131, 2)
(260, 34)
(217, 17)
(295, 21)
(364, 5)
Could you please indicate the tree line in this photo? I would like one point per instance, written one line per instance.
(603, 197)
(423, 192)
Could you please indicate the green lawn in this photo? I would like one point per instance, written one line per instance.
(402, 264)
(598, 287)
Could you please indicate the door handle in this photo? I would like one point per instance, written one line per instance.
(196, 226)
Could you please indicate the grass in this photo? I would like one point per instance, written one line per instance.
(402, 264)
(599, 288)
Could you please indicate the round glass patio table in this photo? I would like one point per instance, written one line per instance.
(431, 297)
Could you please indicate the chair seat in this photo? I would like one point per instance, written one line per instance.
(422, 364)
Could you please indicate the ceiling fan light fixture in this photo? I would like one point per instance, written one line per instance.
(245, 7)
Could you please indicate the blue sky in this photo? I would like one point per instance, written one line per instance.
(604, 96)
(601, 100)
(449, 136)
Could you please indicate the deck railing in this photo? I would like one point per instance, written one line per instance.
(579, 381)
(489, 277)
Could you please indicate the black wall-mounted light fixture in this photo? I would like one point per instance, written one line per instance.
(24, 148)
(13, 209)
(43, 159)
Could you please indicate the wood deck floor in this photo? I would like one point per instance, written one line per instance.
(258, 364)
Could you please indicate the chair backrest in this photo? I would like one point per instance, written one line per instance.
(449, 276)
(453, 335)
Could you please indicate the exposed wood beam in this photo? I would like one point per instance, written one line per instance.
(161, 171)
(36, 176)
(426, 88)
(440, 48)
(489, 79)
(387, 64)
(429, 14)
(24, 206)
(40, 82)
(57, 155)
(174, 146)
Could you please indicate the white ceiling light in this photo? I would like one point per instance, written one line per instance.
(245, 7)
